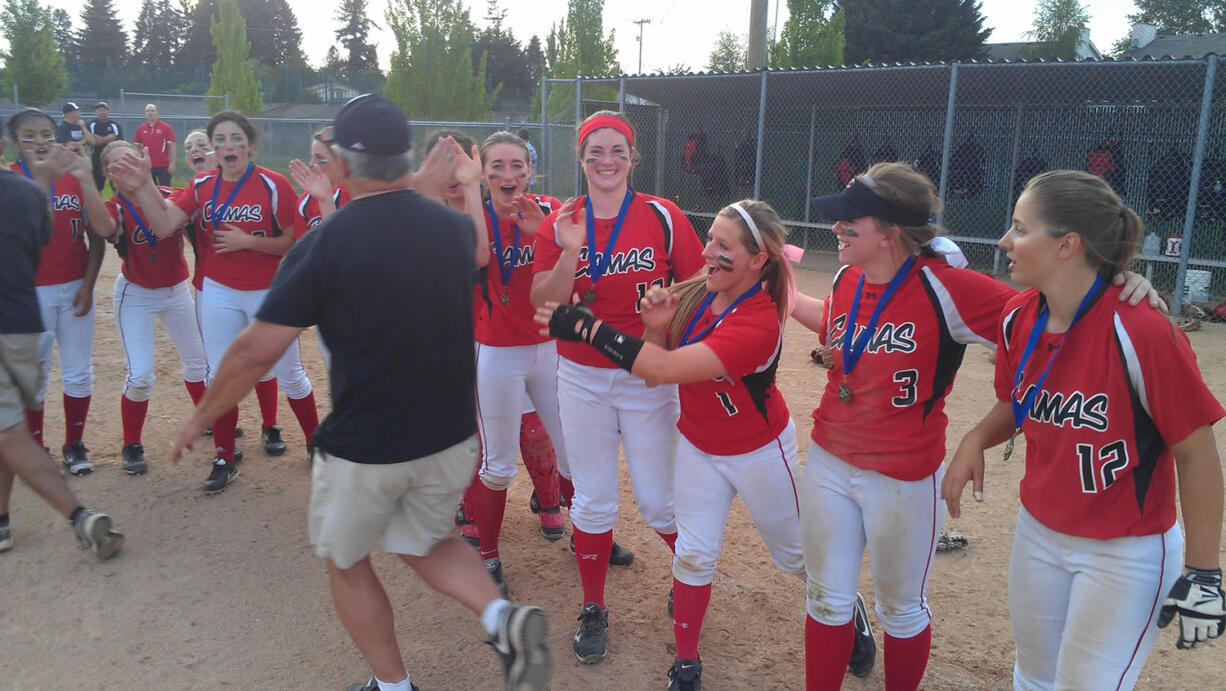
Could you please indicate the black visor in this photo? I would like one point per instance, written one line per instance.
(858, 200)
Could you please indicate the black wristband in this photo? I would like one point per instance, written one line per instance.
(572, 323)
(621, 348)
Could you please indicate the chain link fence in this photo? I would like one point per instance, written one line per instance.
(1155, 130)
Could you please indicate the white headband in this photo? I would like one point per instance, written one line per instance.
(753, 227)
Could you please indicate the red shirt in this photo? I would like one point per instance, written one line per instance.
(308, 210)
(656, 247)
(895, 422)
(160, 139)
(743, 411)
(139, 263)
(511, 324)
(263, 207)
(65, 257)
(1124, 387)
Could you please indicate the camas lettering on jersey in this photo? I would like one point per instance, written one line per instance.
(633, 259)
(1076, 410)
(524, 258)
(253, 213)
(890, 337)
(67, 202)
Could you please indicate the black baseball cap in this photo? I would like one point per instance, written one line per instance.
(70, 106)
(101, 104)
(859, 199)
(372, 124)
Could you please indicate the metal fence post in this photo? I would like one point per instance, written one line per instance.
(809, 168)
(123, 114)
(757, 172)
(621, 93)
(545, 134)
(949, 135)
(1017, 145)
(578, 119)
(1185, 252)
(227, 101)
(661, 128)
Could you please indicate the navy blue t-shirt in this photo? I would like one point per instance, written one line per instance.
(388, 280)
(25, 226)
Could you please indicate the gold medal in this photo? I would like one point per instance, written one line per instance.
(844, 393)
(589, 296)
(1009, 446)
(506, 299)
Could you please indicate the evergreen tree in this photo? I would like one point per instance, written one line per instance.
(32, 63)
(155, 40)
(197, 48)
(432, 75)
(1057, 29)
(102, 37)
(333, 63)
(507, 65)
(65, 37)
(1175, 17)
(535, 58)
(728, 54)
(812, 36)
(888, 31)
(274, 27)
(354, 36)
(577, 44)
(234, 72)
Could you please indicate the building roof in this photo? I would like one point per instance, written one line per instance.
(1010, 51)
(1187, 46)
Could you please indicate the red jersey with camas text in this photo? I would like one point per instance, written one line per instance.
(65, 257)
(264, 206)
(511, 324)
(139, 265)
(1123, 388)
(742, 411)
(309, 215)
(656, 247)
(196, 233)
(895, 421)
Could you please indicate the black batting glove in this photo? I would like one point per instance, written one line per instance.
(1198, 599)
(572, 323)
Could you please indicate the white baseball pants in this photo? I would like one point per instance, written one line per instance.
(75, 336)
(136, 311)
(224, 313)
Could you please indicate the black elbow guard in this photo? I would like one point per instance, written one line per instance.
(621, 348)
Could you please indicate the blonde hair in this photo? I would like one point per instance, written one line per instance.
(776, 272)
(117, 145)
(1073, 201)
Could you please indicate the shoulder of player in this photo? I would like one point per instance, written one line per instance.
(659, 203)
(272, 176)
(1142, 323)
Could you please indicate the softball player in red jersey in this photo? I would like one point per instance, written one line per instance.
(249, 211)
(152, 285)
(65, 282)
(610, 247)
(878, 440)
(1113, 408)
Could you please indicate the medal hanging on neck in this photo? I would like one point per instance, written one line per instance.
(1021, 408)
(598, 262)
(689, 336)
(504, 268)
(854, 347)
(220, 212)
(26, 171)
(142, 228)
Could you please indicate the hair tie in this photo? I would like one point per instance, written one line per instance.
(603, 121)
(753, 227)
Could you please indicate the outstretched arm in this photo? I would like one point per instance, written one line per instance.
(132, 174)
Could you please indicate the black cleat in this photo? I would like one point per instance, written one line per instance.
(591, 637)
(494, 568)
(864, 651)
(76, 459)
(134, 459)
(222, 474)
(273, 444)
(685, 675)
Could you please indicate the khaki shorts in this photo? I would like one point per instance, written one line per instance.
(410, 505)
(21, 377)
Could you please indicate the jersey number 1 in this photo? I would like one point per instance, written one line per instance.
(1112, 459)
(726, 401)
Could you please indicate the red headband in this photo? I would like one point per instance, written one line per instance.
(602, 121)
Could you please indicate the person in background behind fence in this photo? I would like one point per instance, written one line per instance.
(103, 130)
(159, 138)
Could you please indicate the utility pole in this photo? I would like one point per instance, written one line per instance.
(757, 35)
(641, 22)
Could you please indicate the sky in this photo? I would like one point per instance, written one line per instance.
(680, 32)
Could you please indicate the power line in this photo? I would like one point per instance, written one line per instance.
(641, 22)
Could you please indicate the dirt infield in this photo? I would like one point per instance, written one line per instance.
(224, 592)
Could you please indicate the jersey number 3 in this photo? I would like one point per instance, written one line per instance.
(1111, 458)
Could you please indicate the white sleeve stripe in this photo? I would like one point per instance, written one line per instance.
(958, 329)
(668, 220)
(1005, 324)
(1132, 363)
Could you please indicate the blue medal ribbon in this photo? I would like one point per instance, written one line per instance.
(140, 222)
(852, 350)
(687, 337)
(26, 171)
(597, 262)
(1020, 408)
(219, 212)
(504, 271)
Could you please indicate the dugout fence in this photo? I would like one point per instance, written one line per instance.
(1155, 130)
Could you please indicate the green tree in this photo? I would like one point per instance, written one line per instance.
(1175, 17)
(234, 72)
(102, 37)
(432, 75)
(197, 48)
(888, 31)
(156, 39)
(32, 62)
(507, 64)
(1057, 29)
(65, 37)
(354, 35)
(278, 40)
(728, 54)
(577, 47)
(812, 36)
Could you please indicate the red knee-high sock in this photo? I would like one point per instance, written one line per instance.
(266, 394)
(468, 502)
(223, 434)
(540, 459)
(906, 659)
(566, 489)
(195, 389)
(75, 410)
(827, 652)
(307, 414)
(133, 415)
(592, 551)
(34, 420)
(689, 607)
(491, 505)
(669, 539)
